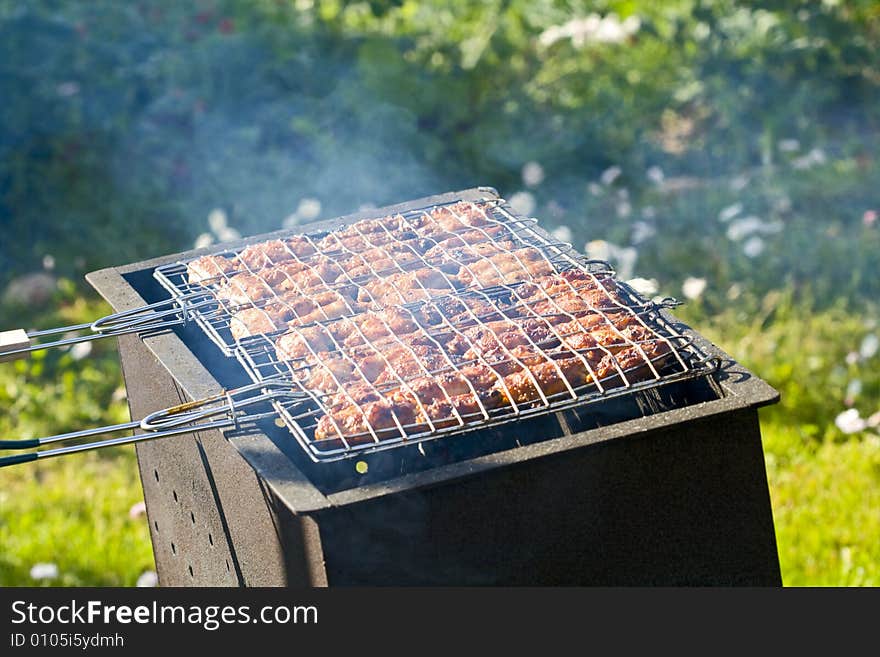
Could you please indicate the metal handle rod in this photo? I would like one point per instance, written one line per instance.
(161, 314)
(81, 338)
(32, 443)
(60, 329)
(172, 421)
(112, 442)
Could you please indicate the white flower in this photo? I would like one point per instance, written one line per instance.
(701, 31)
(648, 212)
(852, 358)
(612, 30)
(624, 209)
(730, 212)
(308, 209)
(593, 28)
(655, 175)
(216, 220)
(693, 287)
(523, 203)
(788, 145)
(850, 422)
(595, 189)
(67, 89)
(811, 159)
(738, 183)
(734, 292)
(148, 579)
(44, 571)
(610, 175)
(562, 233)
(137, 510)
(870, 345)
(874, 420)
(647, 287)
(203, 240)
(642, 231)
(753, 247)
(598, 250)
(48, 262)
(743, 227)
(228, 234)
(80, 350)
(782, 204)
(532, 174)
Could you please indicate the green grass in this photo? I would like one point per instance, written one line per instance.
(824, 485)
(73, 511)
(825, 503)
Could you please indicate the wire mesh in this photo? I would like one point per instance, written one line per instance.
(405, 328)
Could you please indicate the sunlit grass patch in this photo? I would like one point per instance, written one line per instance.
(74, 512)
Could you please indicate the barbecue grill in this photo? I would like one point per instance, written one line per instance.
(647, 471)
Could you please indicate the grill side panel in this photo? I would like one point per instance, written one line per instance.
(211, 519)
(686, 505)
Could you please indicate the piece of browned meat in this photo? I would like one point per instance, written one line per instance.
(291, 311)
(251, 258)
(518, 265)
(406, 411)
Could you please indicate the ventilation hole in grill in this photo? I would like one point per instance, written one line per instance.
(192, 517)
(227, 566)
(190, 569)
(156, 474)
(210, 539)
(173, 548)
(174, 492)
(156, 524)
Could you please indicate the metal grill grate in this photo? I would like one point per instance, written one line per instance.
(443, 319)
(276, 286)
(678, 360)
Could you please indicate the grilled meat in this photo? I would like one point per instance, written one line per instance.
(426, 402)
(409, 324)
(464, 223)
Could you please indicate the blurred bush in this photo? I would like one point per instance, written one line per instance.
(124, 124)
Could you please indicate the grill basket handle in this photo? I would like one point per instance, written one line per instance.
(18, 343)
(185, 418)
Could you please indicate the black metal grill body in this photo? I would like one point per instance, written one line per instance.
(665, 487)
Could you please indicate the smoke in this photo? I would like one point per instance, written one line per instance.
(125, 125)
(276, 116)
